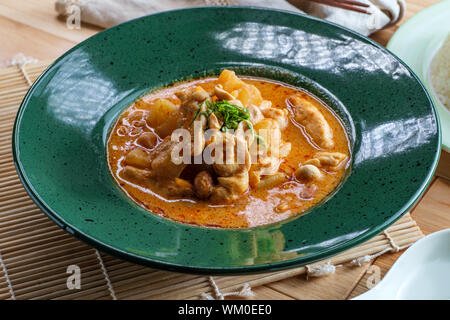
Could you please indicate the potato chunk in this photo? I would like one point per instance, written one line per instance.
(230, 81)
(160, 111)
(248, 94)
(138, 158)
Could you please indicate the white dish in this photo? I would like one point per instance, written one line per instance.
(421, 272)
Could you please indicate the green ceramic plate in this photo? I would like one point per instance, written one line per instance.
(62, 126)
(416, 42)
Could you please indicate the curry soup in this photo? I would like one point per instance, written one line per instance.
(294, 167)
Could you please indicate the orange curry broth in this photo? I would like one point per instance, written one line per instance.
(258, 206)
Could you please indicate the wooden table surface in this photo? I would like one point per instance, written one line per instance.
(33, 28)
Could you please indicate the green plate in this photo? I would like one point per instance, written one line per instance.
(416, 42)
(63, 124)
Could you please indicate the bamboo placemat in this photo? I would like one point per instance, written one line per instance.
(35, 253)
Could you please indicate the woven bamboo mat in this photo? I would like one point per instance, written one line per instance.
(35, 253)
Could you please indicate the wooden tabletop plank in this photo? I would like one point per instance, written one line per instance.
(39, 44)
(41, 15)
(337, 286)
(433, 211)
(443, 169)
(266, 293)
(33, 28)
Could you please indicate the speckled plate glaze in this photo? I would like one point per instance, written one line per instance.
(62, 126)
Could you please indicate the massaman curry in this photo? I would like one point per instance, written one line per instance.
(228, 152)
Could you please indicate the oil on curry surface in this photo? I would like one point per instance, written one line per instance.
(274, 151)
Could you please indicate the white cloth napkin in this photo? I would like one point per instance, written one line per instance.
(106, 13)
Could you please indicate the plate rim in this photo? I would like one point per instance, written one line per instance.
(242, 269)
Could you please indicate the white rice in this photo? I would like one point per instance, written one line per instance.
(440, 73)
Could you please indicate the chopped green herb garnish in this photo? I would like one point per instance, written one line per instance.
(230, 115)
(197, 112)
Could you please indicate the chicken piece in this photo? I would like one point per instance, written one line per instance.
(265, 166)
(228, 169)
(162, 165)
(220, 195)
(147, 140)
(236, 184)
(272, 180)
(279, 115)
(231, 162)
(136, 175)
(236, 103)
(138, 158)
(327, 160)
(255, 114)
(203, 185)
(306, 114)
(308, 172)
(199, 94)
(213, 122)
(221, 94)
(234, 157)
(269, 165)
(265, 105)
(230, 188)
